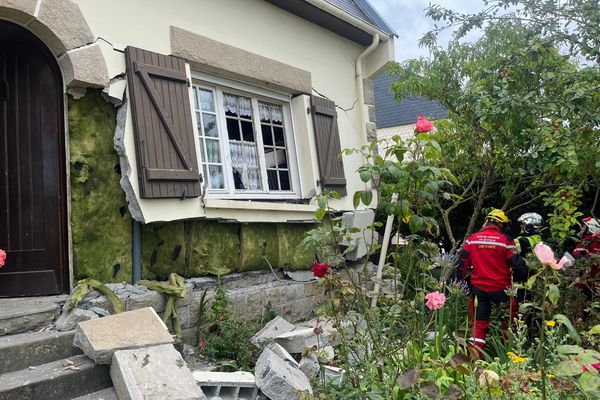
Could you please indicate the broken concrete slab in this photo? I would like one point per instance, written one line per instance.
(300, 276)
(156, 372)
(100, 338)
(271, 330)
(27, 314)
(333, 375)
(301, 339)
(309, 364)
(277, 379)
(71, 317)
(283, 354)
(227, 385)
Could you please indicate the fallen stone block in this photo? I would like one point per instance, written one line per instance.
(156, 372)
(283, 354)
(100, 338)
(309, 364)
(277, 379)
(299, 340)
(227, 385)
(69, 319)
(271, 330)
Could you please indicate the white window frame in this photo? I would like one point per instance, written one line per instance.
(219, 85)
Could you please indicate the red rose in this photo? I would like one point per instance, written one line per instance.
(423, 125)
(2, 257)
(319, 270)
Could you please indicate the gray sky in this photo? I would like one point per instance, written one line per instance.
(407, 18)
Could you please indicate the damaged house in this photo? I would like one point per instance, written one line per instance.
(181, 136)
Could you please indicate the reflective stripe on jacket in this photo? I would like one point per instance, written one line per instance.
(493, 255)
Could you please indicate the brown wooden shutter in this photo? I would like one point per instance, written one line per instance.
(328, 144)
(162, 121)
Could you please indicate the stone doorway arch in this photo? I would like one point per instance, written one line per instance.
(60, 24)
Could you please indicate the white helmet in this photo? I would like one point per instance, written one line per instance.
(531, 222)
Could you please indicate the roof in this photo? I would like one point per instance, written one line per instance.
(361, 10)
(391, 113)
(364, 11)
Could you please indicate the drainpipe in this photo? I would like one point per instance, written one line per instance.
(360, 86)
(136, 251)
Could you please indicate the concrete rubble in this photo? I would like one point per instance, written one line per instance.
(70, 318)
(277, 379)
(100, 338)
(283, 354)
(271, 330)
(156, 372)
(227, 385)
(297, 341)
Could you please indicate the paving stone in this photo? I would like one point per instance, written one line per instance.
(26, 314)
(277, 379)
(156, 372)
(71, 317)
(100, 338)
(271, 330)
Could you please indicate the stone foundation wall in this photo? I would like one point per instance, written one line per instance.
(250, 294)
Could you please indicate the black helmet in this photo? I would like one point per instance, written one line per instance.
(531, 222)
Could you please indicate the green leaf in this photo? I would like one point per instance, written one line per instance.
(569, 349)
(366, 197)
(568, 368)
(320, 213)
(570, 329)
(404, 207)
(415, 224)
(589, 382)
(553, 294)
(365, 176)
(595, 330)
(356, 199)
(531, 281)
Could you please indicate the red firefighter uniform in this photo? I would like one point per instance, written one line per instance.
(496, 262)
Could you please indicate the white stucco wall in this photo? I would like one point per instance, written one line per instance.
(261, 28)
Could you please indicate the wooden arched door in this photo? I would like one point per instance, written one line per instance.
(33, 219)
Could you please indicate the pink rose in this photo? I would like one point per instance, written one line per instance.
(2, 257)
(423, 125)
(435, 300)
(319, 270)
(546, 256)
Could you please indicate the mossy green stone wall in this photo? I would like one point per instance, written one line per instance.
(101, 223)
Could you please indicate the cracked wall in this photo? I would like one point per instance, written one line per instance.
(101, 219)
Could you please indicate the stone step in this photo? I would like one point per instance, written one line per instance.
(34, 348)
(56, 380)
(104, 394)
(23, 314)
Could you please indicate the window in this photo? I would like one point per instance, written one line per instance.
(246, 142)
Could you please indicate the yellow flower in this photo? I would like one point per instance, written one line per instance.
(549, 376)
(515, 358)
(551, 323)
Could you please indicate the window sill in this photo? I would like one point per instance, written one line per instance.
(259, 211)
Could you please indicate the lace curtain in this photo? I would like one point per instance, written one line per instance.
(244, 161)
(270, 112)
(239, 105)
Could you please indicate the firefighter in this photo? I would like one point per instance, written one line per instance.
(495, 262)
(531, 226)
(589, 235)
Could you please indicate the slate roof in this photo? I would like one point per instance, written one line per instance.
(391, 113)
(364, 11)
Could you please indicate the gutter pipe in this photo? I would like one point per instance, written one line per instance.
(352, 20)
(359, 84)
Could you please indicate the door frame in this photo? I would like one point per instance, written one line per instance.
(66, 252)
